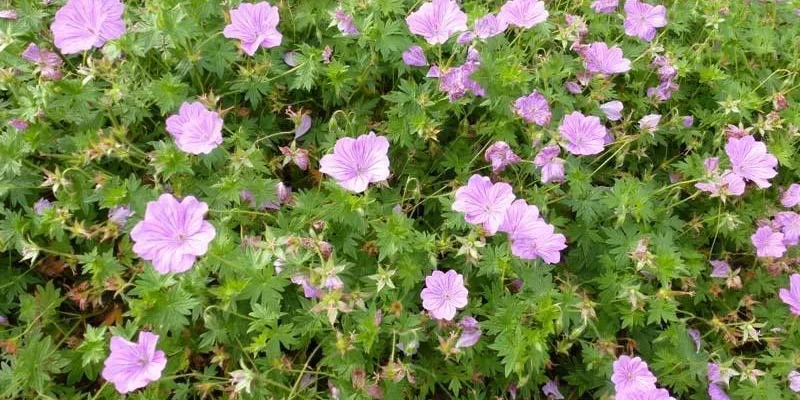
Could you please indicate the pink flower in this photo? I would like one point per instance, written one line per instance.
(521, 220)
(437, 20)
(632, 374)
(649, 123)
(584, 135)
(644, 394)
(483, 202)
(196, 130)
(542, 242)
(345, 23)
(523, 13)
(443, 294)
(255, 25)
(355, 163)
(599, 59)
(727, 184)
(552, 166)
(501, 156)
(298, 156)
(48, 62)
(10, 15)
(791, 296)
(415, 57)
(716, 393)
(791, 197)
(612, 110)
(794, 376)
(19, 124)
(489, 25)
(131, 366)
(550, 389)
(533, 108)
(768, 242)
(642, 19)
(470, 333)
(605, 6)
(173, 234)
(751, 161)
(721, 269)
(789, 224)
(82, 24)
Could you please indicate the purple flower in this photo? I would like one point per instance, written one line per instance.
(573, 87)
(119, 215)
(437, 20)
(309, 291)
(714, 373)
(599, 59)
(255, 25)
(789, 224)
(415, 57)
(41, 206)
(533, 108)
(196, 129)
(794, 378)
(649, 123)
(434, 72)
(751, 161)
(644, 394)
(501, 156)
(716, 393)
(284, 196)
(542, 243)
(298, 156)
(345, 23)
(82, 24)
(131, 366)
(302, 126)
(605, 6)
(443, 294)
(465, 38)
(173, 234)
(768, 243)
(489, 25)
(791, 296)
(48, 62)
(19, 125)
(550, 389)
(584, 135)
(290, 58)
(355, 163)
(642, 19)
(457, 82)
(791, 197)
(632, 374)
(483, 202)
(523, 13)
(727, 184)
(470, 333)
(3, 320)
(666, 70)
(694, 334)
(521, 220)
(552, 166)
(721, 269)
(8, 14)
(612, 110)
(688, 121)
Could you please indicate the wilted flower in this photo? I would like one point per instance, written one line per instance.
(605, 6)
(345, 23)
(523, 13)
(173, 234)
(131, 366)
(327, 53)
(768, 243)
(632, 374)
(255, 25)
(415, 57)
(501, 156)
(721, 269)
(791, 296)
(242, 379)
(290, 58)
(533, 108)
(196, 129)
(82, 24)
(41, 205)
(18, 124)
(573, 87)
(612, 110)
(437, 20)
(470, 332)
(119, 214)
(600, 59)
(489, 25)
(483, 202)
(584, 135)
(443, 294)
(355, 163)
(550, 389)
(649, 123)
(295, 155)
(642, 19)
(8, 14)
(48, 62)
(750, 160)
(694, 334)
(552, 166)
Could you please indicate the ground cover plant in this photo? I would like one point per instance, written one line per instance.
(393, 199)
